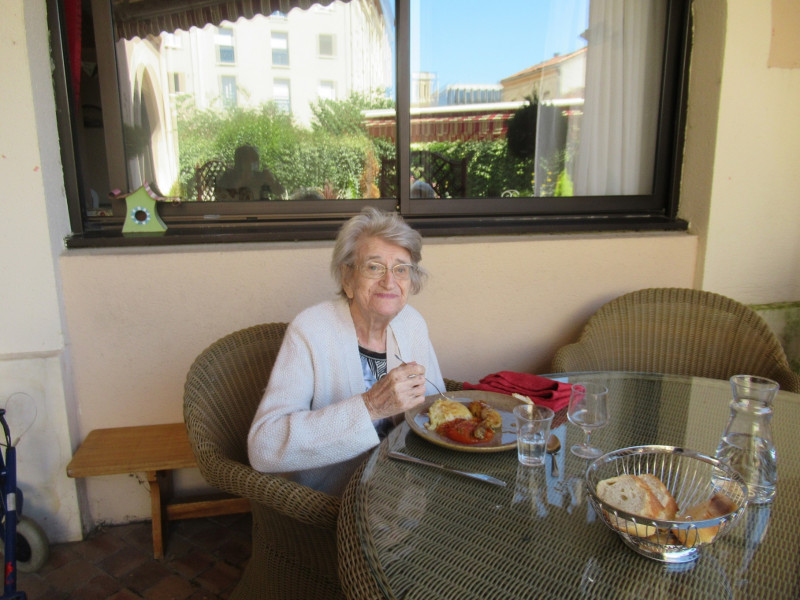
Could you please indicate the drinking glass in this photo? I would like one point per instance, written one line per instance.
(533, 429)
(588, 409)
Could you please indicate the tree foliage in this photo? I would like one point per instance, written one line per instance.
(336, 158)
(345, 117)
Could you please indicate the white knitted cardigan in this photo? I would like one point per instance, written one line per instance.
(312, 424)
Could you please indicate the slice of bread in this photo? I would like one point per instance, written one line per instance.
(632, 495)
(663, 494)
(718, 505)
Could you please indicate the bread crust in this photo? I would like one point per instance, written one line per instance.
(646, 495)
(719, 504)
(670, 507)
(632, 495)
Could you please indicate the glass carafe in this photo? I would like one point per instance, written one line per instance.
(746, 445)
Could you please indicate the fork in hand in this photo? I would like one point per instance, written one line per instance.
(397, 356)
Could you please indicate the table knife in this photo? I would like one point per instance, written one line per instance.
(479, 476)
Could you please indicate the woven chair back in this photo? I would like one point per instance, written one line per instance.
(224, 386)
(678, 331)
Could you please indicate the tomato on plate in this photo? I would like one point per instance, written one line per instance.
(466, 431)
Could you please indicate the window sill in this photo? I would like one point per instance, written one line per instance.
(282, 231)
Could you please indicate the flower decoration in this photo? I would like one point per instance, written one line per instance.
(140, 215)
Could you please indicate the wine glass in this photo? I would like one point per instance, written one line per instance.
(588, 409)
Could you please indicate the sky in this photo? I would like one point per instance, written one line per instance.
(484, 41)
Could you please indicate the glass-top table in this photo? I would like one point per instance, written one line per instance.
(411, 532)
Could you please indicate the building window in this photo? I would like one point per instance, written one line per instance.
(280, 49)
(177, 82)
(282, 95)
(326, 45)
(227, 87)
(225, 51)
(327, 90)
(575, 129)
(172, 41)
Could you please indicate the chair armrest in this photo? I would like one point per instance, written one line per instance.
(288, 497)
(574, 357)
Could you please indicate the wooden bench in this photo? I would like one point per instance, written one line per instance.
(156, 450)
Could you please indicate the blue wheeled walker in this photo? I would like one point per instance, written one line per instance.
(25, 544)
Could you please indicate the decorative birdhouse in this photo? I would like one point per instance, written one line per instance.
(142, 213)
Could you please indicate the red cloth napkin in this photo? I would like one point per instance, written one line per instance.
(541, 390)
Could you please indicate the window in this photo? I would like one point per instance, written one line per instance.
(282, 95)
(225, 53)
(566, 117)
(227, 88)
(327, 90)
(177, 82)
(172, 41)
(280, 49)
(326, 47)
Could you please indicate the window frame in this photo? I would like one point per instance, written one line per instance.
(282, 51)
(283, 102)
(327, 84)
(229, 90)
(332, 39)
(223, 49)
(192, 223)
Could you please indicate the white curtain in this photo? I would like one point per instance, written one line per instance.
(616, 151)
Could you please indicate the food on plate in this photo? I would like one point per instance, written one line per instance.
(719, 504)
(632, 495)
(467, 425)
(486, 414)
(444, 410)
(466, 431)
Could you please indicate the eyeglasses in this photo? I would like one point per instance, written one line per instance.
(376, 270)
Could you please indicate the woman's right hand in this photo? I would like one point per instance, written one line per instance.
(399, 390)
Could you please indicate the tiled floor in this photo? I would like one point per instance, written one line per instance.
(203, 561)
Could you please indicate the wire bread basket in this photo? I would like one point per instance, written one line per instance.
(692, 478)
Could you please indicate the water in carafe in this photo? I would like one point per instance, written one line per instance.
(746, 445)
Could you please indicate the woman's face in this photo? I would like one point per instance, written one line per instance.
(382, 298)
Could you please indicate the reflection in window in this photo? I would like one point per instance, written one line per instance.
(575, 114)
(280, 49)
(561, 101)
(214, 107)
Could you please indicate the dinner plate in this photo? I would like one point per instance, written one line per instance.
(504, 439)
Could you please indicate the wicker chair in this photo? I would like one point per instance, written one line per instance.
(678, 331)
(294, 527)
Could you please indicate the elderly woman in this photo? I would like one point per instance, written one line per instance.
(339, 381)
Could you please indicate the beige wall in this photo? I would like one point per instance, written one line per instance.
(134, 319)
(753, 238)
(34, 362)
